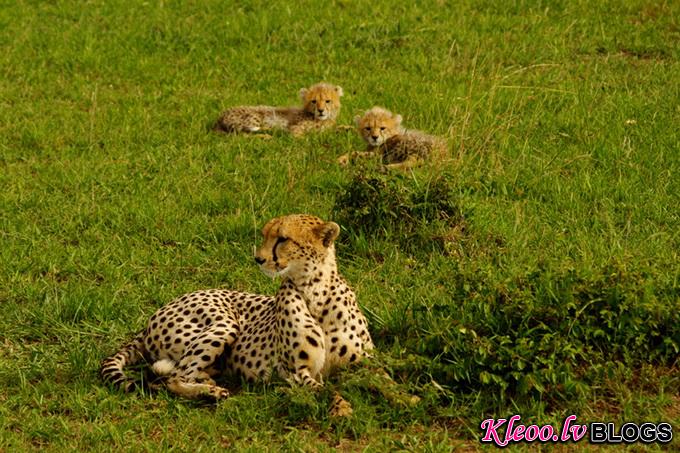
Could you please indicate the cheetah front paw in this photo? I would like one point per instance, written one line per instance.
(340, 407)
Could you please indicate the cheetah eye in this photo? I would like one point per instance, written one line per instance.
(367, 128)
(313, 101)
(328, 101)
(382, 128)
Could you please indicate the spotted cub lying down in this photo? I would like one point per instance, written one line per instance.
(320, 108)
(399, 148)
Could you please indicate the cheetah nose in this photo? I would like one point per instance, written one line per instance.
(375, 137)
(259, 260)
(320, 111)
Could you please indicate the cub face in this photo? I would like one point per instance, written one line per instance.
(378, 125)
(322, 100)
(295, 245)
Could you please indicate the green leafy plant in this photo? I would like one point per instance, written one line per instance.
(418, 215)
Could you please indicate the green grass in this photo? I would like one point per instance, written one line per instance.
(555, 289)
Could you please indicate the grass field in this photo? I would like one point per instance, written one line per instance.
(535, 273)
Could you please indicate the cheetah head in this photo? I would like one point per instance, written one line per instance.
(295, 245)
(378, 125)
(322, 100)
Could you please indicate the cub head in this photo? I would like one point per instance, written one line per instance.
(378, 125)
(295, 245)
(322, 100)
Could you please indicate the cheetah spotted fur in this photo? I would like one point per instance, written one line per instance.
(320, 108)
(310, 327)
(397, 147)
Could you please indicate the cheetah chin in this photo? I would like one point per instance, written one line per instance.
(274, 273)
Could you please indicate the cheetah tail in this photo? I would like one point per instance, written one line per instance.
(112, 368)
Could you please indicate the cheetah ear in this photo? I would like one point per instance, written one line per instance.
(327, 233)
(303, 93)
(398, 119)
(338, 89)
(357, 120)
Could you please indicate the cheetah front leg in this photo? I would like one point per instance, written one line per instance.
(339, 407)
(300, 129)
(410, 162)
(303, 367)
(262, 135)
(345, 159)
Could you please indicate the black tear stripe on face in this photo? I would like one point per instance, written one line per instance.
(279, 241)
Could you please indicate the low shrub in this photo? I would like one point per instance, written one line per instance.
(418, 216)
(546, 334)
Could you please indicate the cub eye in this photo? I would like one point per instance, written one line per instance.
(367, 128)
(382, 128)
(313, 101)
(328, 101)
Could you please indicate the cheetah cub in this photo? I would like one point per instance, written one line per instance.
(310, 327)
(399, 148)
(320, 108)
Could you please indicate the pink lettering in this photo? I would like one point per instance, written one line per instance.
(532, 433)
(511, 432)
(578, 431)
(546, 433)
(566, 431)
(517, 432)
(491, 433)
(518, 435)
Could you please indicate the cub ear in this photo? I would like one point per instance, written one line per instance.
(357, 120)
(338, 89)
(398, 119)
(303, 93)
(327, 233)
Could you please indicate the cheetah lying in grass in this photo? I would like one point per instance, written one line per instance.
(310, 327)
(398, 148)
(320, 108)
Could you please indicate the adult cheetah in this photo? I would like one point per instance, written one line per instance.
(311, 326)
